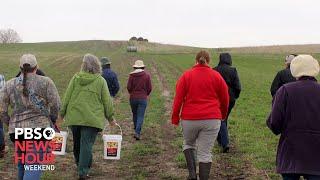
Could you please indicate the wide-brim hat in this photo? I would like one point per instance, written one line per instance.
(105, 61)
(28, 59)
(304, 65)
(138, 64)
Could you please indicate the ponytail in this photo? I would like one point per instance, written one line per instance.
(25, 70)
(202, 60)
(203, 57)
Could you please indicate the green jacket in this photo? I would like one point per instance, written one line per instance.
(87, 101)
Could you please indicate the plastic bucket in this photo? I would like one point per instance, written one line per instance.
(60, 142)
(112, 145)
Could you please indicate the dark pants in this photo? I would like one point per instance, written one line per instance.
(297, 176)
(83, 141)
(2, 144)
(138, 108)
(223, 135)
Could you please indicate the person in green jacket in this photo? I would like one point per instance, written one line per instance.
(86, 105)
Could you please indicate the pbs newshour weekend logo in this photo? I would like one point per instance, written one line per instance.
(33, 148)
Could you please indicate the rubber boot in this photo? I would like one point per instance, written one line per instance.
(204, 170)
(191, 163)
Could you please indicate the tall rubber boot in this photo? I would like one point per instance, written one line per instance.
(204, 170)
(191, 163)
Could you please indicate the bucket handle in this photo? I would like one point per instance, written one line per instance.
(116, 125)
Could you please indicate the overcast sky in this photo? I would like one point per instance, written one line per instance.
(203, 23)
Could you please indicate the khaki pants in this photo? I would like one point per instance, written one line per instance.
(200, 135)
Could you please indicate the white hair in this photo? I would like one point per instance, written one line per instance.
(91, 64)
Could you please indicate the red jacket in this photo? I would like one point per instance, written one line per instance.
(139, 85)
(201, 93)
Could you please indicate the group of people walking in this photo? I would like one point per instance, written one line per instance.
(203, 101)
(87, 105)
(205, 97)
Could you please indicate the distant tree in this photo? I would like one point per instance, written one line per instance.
(140, 39)
(9, 36)
(133, 38)
(145, 40)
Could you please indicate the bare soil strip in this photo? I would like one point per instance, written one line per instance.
(168, 151)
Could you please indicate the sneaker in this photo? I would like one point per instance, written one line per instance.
(137, 136)
(84, 177)
(226, 149)
(2, 151)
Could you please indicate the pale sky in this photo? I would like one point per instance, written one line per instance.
(202, 23)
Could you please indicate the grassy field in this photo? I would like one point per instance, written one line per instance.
(158, 155)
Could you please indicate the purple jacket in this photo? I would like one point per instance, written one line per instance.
(139, 85)
(296, 116)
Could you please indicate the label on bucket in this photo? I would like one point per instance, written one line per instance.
(58, 141)
(112, 148)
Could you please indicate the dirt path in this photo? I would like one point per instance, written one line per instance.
(169, 151)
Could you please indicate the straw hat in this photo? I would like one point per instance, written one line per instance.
(138, 64)
(304, 65)
(28, 59)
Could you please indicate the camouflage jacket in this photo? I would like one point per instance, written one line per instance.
(37, 110)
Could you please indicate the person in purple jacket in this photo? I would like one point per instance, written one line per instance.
(295, 116)
(139, 87)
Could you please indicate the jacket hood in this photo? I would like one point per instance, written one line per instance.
(85, 78)
(225, 58)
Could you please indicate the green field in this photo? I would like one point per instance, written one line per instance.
(158, 155)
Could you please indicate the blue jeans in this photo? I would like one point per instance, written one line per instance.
(138, 107)
(297, 176)
(223, 135)
(29, 174)
(1, 137)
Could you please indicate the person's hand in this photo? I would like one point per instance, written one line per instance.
(56, 128)
(113, 123)
(175, 125)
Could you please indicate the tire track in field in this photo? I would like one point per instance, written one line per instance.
(168, 133)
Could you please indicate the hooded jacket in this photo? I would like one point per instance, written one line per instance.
(87, 101)
(139, 85)
(230, 75)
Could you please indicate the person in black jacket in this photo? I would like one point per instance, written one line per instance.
(230, 75)
(284, 76)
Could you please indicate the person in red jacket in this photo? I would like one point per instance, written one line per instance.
(201, 102)
(139, 87)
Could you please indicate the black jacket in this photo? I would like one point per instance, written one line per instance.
(230, 75)
(283, 77)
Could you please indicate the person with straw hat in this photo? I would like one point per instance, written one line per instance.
(139, 87)
(110, 76)
(295, 116)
